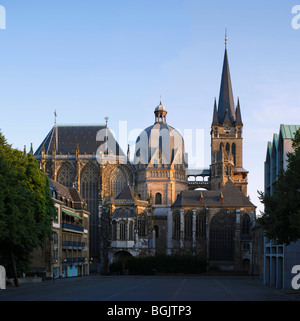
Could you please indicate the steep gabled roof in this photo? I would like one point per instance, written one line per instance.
(65, 138)
(226, 95)
(126, 194)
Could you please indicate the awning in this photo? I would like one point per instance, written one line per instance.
(71, 214)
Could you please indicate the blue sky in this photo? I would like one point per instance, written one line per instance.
(92, 59)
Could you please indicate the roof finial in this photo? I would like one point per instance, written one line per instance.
(226, 37)
(106, 119)
(55, 116)
(160, 100)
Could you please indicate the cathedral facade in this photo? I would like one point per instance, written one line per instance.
(148, 205)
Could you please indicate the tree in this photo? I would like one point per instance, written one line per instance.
(281, 218)
(26, 207)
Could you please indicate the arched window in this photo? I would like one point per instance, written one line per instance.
(233, 150)
(89, 191)
(201, 225)
(157, 198)
(188, 224)
(66, 175)
(118, 181)
(176, 225)
(221, 236)
(114, 230)
(245, 224)
(122, 227)
(221, 146)
(228, 148)
(141, 225)
(130, 234)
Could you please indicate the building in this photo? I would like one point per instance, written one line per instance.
(149, 206)
(67, 255)
(88, 158)
(279, 259)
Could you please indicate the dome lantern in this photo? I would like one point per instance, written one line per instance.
(160, 114)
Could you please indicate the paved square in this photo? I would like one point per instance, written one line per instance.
(148, 288)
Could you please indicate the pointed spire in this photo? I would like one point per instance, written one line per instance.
(238, 121)
(215, 121)
(226, 95)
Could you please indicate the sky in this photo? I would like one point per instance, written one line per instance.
(115, 58)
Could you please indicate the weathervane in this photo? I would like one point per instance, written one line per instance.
(226, 37)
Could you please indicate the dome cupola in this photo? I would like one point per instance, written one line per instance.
(160, 114)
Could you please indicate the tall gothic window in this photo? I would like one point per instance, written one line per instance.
(245, 224)
(114, 230)
(228, 148)
(221, 236)
(188, 224)
(233, 150)
(118, 181)
(89, 191)
(66, 175)
(176, 225)
(131, 231)
(122, 228)
(201, 225)
(141, 225)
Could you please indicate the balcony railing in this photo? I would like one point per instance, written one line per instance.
(73, 245)
(72, 227)
(75, 260)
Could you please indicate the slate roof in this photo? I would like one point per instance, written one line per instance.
(69, 193)
(226, 96)
(126, 194)
(123, 212)
(232, 197)
(68, 136)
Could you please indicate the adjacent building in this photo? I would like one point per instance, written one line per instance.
(278, 258)
(67, 254)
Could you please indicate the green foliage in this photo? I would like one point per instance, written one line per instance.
(160, 263)
(281, 219)
(26, 206)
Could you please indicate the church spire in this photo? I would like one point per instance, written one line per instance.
(226, 95)
(215, 121)
(238, 121)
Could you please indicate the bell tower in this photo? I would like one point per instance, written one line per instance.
(227, 137)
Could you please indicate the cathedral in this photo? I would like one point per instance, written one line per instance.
(149, 204)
